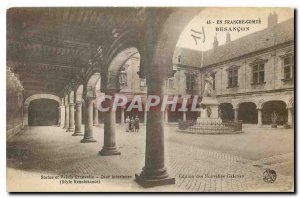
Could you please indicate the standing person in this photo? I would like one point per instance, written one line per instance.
(131, 125)
(127, 121)
(137, 123)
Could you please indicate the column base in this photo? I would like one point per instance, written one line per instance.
(87, 140)
(77, 134)
(70, 130)
(151, 182)
(107, 151)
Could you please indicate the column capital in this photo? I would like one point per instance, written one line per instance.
(71, 104)
(236, 108)
(89, 99)
(78, 102)
(259, 108)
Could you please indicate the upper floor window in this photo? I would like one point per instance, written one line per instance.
(190, 81)
(288, 64)
(233, 76)
(259, 73)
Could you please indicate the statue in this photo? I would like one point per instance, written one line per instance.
(208, 88)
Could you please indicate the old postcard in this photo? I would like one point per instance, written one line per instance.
(148, 99)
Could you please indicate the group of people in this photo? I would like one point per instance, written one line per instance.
(132, 124)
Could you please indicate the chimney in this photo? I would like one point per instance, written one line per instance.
(216, 42)
(272, 19)
(228, 37)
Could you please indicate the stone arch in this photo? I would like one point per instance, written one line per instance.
(78, 93)
(112, 81)
(165, 45)
(263, 102)
(236, 104)
(36, 97)
(40, 96)
(89, 90)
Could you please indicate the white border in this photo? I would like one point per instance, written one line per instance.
(4, 4)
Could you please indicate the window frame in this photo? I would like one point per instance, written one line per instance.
(233, 76)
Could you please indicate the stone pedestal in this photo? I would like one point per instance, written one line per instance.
(154, 172)
(88, 124)
(71, 118)
(78, 120)
(110, 146)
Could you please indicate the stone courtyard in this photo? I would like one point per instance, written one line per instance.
(196, 161)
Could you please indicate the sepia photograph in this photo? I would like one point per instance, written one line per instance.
(150, 99)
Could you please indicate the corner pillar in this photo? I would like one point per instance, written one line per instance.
(290, 117)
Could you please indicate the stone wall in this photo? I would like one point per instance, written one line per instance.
(14, 104)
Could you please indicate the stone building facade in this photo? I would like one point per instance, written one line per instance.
(254, 75)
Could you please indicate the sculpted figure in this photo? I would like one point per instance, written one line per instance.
(208, 88)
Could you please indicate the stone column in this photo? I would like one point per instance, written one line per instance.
(154, 172)
(110, 145)
(122, 115)
(166, 119)
(184, 115)
(96, 122)
(59, 116)
(88, 122)
(259, 117)
(78, 121)
(145, 116)
(290, 117)
(71, 118)
(25, 116)
(62, 115)
(67, 111)
(236, 113)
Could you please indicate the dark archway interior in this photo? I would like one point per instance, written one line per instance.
(248, 113)
(274, 106)
(43, 112)
(227, 112)
(174, 116)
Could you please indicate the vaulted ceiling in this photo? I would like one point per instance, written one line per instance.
(47, 47)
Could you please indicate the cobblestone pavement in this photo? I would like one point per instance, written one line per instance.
(196, 165)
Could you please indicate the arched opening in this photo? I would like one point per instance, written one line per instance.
(277, 106)
(43, 112)
(123, 71)
(227, 112)
(247, 113)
